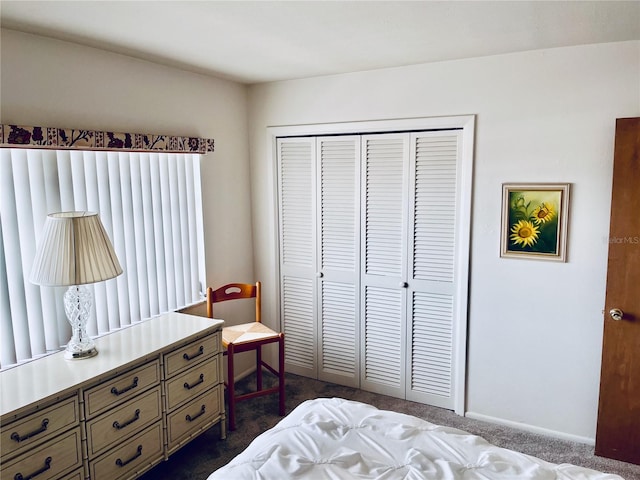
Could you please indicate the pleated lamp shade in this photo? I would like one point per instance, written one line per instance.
(74, 250)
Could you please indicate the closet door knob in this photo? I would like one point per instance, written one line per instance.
(404, 284)
(319, 274)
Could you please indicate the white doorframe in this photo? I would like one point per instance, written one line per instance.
(463, 224)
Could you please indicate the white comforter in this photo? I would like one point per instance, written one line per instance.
(341, 439)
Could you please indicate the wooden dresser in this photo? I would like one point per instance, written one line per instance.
(151, 389)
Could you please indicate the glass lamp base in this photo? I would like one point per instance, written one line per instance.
(79, 355)
(77, 305)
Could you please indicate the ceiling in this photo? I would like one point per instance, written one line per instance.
(262, 41)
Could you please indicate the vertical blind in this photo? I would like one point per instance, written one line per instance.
(150, 205)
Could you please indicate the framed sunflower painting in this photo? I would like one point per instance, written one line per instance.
(534, 220)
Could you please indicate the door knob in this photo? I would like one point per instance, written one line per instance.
(616, 314)
(404, 285)
(319, 274)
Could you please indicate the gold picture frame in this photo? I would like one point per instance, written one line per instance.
(534, 221)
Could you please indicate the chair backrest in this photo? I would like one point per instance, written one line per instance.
(234, 291)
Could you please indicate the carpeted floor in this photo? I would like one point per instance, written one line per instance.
(206, 453)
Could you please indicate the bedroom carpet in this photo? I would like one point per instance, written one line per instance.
(206, 453)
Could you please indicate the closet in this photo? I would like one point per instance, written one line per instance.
(373, 260)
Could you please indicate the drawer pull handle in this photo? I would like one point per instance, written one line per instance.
(47, 466)
(136, 416)
(116, 392)
(189, 418)
(16, 436)
(196, 383)
(200, 352)
(121, 463)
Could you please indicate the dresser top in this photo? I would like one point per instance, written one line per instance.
(52, 375)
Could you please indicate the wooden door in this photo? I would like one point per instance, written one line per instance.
(618, 431)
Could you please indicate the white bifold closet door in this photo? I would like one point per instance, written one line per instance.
(319, 255)
(385, 200)
(408, 257)
(368, 260)
(434, 268)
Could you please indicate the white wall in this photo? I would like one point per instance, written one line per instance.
(535, 328)
(53, 83)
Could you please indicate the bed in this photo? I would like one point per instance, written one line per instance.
(332, 438)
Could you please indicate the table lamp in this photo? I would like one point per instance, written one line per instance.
(74, 250)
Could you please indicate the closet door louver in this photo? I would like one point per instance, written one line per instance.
(339, 233)
(384, 259)
(299, 324)
(434, 162)
(296, 164)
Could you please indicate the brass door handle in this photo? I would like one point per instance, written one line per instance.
(616, 314)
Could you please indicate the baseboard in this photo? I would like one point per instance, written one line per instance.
(531, 428)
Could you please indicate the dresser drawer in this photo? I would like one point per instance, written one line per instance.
(195, 415)
(77, 475)
(192, 382)
(50, 460)
(41, 425)
(133, 456)
(116, 425)
(191, 354)
(119, 389)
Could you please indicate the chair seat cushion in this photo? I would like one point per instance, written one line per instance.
(246, 332)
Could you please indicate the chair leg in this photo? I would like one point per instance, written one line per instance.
(281, 375)
(259, 367)
(231, 394)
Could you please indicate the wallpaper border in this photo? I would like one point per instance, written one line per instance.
(69, 138)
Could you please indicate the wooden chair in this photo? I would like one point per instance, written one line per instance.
(246, 337)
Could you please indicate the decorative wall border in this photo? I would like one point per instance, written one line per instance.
(68, 138)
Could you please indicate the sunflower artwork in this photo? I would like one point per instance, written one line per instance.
(534, 218)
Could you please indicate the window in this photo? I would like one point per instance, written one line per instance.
(151, 207)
